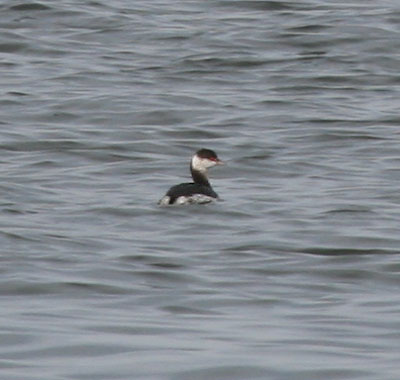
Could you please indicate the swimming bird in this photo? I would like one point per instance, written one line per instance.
(200, 190)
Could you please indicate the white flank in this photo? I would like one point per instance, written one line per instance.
(194, 199)
(164, 201)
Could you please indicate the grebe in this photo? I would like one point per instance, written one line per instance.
(199, 191)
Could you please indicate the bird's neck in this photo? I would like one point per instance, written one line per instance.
(199, 176)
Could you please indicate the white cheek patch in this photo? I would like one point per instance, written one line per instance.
(210, 163)
(198, 164)
(201, 164)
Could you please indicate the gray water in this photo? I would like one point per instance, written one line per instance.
(294, 274)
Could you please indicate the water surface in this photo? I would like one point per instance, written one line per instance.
(293, 275)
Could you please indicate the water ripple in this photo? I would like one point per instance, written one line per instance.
(293, 274)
